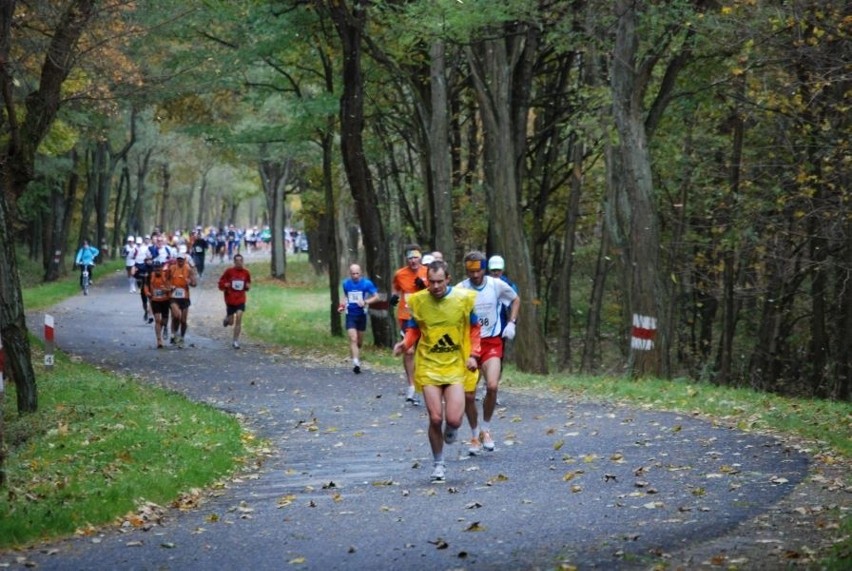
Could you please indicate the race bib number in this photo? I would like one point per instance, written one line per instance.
(199, 250)
(356, 297)
(179, 293)
(238, 285)
(159, 293)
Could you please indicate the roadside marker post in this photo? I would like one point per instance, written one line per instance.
(48, 341)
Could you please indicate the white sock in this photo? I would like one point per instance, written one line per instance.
(356, 362)
(410, 393)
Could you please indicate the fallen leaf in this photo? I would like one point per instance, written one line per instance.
(496, 479)
(285, 501)
(558, 444)
(475, 526)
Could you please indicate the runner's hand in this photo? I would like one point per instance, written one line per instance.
(509, 332)
(394, 299)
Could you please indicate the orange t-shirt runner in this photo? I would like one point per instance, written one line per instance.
(403, 281)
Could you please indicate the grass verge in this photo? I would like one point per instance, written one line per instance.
(102, 445)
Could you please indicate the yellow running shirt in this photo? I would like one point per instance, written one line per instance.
(445, 345)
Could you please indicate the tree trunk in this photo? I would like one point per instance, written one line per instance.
(571, 218)
(647, 296)
(21, 140)
(13, 326)
(350, 25)
(162, 221)
(202, 198)
(439, 155)
(726, 345)
(62, 199)
(492, 66)
(330, 219)
(842, 386)
(119, 217)
(590, 362)
(138, 218)
(274, 176)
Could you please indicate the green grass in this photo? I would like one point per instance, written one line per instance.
(100, 445)
(39, 295)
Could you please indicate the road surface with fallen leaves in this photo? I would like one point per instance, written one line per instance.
(344, 483)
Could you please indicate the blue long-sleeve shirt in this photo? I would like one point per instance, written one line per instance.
(86, 255)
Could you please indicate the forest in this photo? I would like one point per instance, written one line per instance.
(667, 181)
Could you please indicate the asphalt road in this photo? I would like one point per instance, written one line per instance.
(346, 481)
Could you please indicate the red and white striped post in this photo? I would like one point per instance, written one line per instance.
(48, 340)
(643, 333)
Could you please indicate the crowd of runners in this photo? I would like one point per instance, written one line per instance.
(164, 268)
(452, 335)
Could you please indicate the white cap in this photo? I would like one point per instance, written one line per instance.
(130, 238)
(427, 259)
(496, 263)
(138, 239)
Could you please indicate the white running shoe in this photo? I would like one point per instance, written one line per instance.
(487, 441)
(236, 344)
(439, 472)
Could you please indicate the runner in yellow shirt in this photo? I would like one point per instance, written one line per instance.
(443, 334)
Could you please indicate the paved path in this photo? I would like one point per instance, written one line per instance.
(346, 484)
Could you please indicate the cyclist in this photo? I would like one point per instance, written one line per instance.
(86, 260)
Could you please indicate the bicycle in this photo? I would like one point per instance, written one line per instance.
(85, 279)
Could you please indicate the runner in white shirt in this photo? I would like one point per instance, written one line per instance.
(128, 252)
(491, 294)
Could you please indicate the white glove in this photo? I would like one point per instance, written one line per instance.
(509, 331)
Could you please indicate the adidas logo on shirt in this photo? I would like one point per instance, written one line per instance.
(445, 345)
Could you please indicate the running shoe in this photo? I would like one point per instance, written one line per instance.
(487, 441)
(413, 400)
(159, 345)
(450, 435)
(225, 322)
(145, 317)
(179, 342)
(439, 472)
(475, 447)
(236, 344)
(356, 369)
(173, 340)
